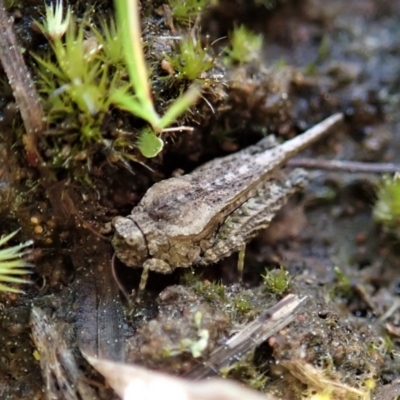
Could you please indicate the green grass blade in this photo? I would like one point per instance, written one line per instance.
(180, 105)
(129, 23)
(129, 103)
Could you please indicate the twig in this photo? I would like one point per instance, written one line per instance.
(21, 82)
(347, 166)
(267, 324)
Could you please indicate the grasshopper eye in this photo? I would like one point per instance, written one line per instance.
(129, 242)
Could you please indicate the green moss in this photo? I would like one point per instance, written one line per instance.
(387, 206)
(245, 46)
(343, 285)
(75, 84)
(185, 12)
(191, 60)
(85, 75)
(239, 305)
(277, 280)
(242, 304)
(112, 47)
(246, 371)
(210, 291)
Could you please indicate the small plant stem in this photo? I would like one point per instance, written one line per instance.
(129, 23)
(347, 166)
(22, 85)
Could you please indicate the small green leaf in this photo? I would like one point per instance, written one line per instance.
(131, 103)
(180, 105)
(149, 143)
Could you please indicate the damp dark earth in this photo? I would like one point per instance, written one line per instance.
(77, 150)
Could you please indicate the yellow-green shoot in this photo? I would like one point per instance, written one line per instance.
(13, 264)
(186, 11)
(244, 46)
(387, 206)
(191, 59)
(277, 280)
(55, 24)
(140, 102)
(76, 85)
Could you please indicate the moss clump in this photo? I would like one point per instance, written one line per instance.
(277, 280)
(210, 291)
(191, 60)
(244, 46)
(76, 81)
(86, 75)
(186, 11)
(343, 286)
(245, 370)
(387, 206)
(240, 305)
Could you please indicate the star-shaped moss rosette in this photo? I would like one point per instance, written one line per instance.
(13, 264)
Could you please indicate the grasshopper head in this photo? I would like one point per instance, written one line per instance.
(129, 242)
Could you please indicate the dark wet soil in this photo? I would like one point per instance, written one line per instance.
(318, 58)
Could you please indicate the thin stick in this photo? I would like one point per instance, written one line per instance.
(255, 333)
(20, 80)
(347, 166)
(178, 129)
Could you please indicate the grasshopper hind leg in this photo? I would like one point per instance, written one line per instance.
(253, 215)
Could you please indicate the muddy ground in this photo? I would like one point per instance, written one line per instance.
(318, 58)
